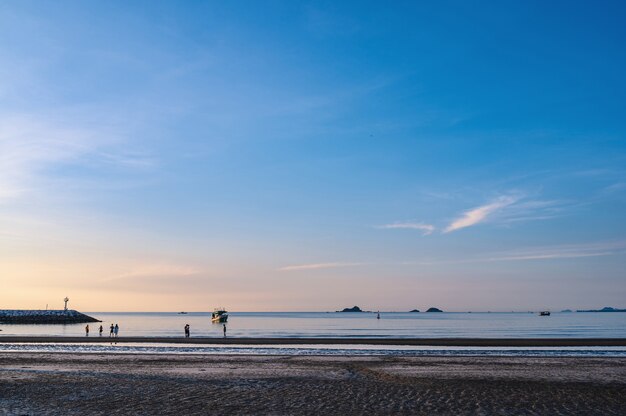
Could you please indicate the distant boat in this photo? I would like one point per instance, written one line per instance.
(219, 316)
(182, 313)
(544, 313)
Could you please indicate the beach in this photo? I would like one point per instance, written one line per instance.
(145, 384)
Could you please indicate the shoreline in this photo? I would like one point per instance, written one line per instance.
(432, 342)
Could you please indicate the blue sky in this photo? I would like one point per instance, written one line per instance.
(313, 155)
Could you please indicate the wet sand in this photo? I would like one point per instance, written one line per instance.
(143, 384)
(438, 342)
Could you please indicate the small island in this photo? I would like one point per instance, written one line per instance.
(352, 309)
(605, 309)
(434, 310)
(414, 310)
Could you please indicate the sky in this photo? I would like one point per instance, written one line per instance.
(311, 156)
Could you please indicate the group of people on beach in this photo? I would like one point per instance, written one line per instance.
(115, 329)
(113, 334)
(188, 331)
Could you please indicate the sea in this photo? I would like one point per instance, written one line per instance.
(337, 325)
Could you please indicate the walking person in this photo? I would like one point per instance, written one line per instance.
(112, 331)
(224, 330)
(87, 330)
(116, 329)
(100, 330)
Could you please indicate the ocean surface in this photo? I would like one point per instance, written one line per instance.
(337, 325)
(347, 325)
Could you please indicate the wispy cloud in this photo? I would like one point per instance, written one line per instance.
(32, 146)
(568, 251)
(606, 248)
(155, 270)
(28, 146)
(426, 229)
(616, 187)
(533, 210)
(316, 266)
(479, 214)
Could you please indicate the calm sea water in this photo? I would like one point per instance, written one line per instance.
(342, 325)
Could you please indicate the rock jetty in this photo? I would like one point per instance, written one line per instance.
(25, 316)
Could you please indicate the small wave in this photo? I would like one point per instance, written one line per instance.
(316, 350)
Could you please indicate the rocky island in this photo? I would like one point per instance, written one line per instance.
(434, 310)
(33, 316)
(352, 309)
(605, 309)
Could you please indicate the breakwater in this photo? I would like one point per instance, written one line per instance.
(32, 316)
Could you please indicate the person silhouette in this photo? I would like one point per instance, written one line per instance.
(87, 331)
(187, 331)
(100, 330)
(224, 330)
(116, 329)
(112, 331)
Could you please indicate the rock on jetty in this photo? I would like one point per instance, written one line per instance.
(25, 316)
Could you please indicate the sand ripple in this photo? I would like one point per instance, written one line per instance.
(78, 384)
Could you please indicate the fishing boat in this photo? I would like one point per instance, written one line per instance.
(544, 313)
(219, 315)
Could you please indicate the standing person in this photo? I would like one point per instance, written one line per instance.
(100, 330)
(224, 330)
(187, 331)
(112, 331)
(116, 329)
(87, 330)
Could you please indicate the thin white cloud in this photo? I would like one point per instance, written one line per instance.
(29, 146)
(480, 214)
(569, 251)
(533, 210)
(156, 270)
(317, 266)
(426, 229)
(548, 256)
(32, 145)
(616, 187)
(605, 248)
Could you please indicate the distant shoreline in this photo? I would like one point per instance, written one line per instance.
(434, 342)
